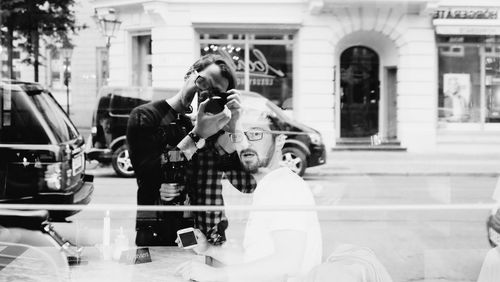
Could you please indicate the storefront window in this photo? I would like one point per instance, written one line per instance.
(263, 62)
(492, 87)
(234, 53)
(469, 79)
(459, 84)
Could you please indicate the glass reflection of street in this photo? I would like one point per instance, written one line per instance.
(412, 244)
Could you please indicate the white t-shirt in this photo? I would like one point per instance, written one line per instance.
(282, 187)
(490, 271)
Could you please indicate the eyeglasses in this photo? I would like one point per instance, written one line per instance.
(202, 82)
(251, 135)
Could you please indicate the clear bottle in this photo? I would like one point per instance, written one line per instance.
(120, 244)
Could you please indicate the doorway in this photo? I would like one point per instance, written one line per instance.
(391, 131)
(360, 92)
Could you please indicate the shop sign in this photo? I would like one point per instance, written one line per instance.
(467, 30)
(261, 72)
(467, 13)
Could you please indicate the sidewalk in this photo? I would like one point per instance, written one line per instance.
(404, 163)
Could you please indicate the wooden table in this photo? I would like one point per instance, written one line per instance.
(162, 268)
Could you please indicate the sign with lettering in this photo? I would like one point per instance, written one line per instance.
(466, 13)
(468, 30)
(135, 256)
(261, 71)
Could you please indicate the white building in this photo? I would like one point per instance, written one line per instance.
(422, 73)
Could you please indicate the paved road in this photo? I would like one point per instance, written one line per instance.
(435, 245)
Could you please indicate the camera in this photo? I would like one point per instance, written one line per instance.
(173, 165)
(187, 238)
(216, 103)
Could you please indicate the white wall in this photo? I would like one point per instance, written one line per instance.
(417, 81)
(314, 76)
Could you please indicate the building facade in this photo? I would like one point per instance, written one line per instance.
(421, 73)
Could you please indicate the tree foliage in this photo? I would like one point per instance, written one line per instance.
(27, 21)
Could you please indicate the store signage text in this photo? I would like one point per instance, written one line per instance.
(467, 13)
(261, 72)
(468, 30)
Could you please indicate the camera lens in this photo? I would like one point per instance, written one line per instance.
(215, 105)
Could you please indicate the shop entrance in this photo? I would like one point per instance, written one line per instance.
(360, 92)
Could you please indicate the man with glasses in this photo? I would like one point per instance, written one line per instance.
(157, 129)
(278, 245)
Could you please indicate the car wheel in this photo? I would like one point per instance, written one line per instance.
(121, 162)
(294, 159)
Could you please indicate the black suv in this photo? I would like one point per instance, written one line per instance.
(42, 154)
(303, 148)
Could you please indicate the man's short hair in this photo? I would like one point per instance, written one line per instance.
(226, 69)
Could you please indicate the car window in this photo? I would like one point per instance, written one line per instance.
(57, 120)
(22, 123)
(123, 105)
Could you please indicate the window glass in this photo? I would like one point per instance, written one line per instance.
(142, 68)
(234, 53)
(459, 84)
(492, 87)
(271, 73)
(21, 123)
(57, 120)
(270, 69)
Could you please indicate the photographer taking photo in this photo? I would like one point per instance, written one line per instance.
(157, 129)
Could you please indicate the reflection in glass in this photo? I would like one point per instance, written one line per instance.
(459, 84)
(492, 85)
(270, 68)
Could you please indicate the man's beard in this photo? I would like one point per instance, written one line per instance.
(251, 162)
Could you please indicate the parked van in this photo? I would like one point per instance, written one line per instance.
(303, 148)
(42, 153)
(109, 123)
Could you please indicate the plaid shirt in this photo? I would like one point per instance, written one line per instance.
(205, 186)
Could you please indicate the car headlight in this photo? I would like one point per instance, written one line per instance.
(315, 138)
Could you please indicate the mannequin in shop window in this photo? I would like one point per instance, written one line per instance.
(457, 102)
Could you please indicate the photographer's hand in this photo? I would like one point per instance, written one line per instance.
(234, 105)
(208, 124)
(168, 191)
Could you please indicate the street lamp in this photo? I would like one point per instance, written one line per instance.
(107, 24)
(66, 52)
